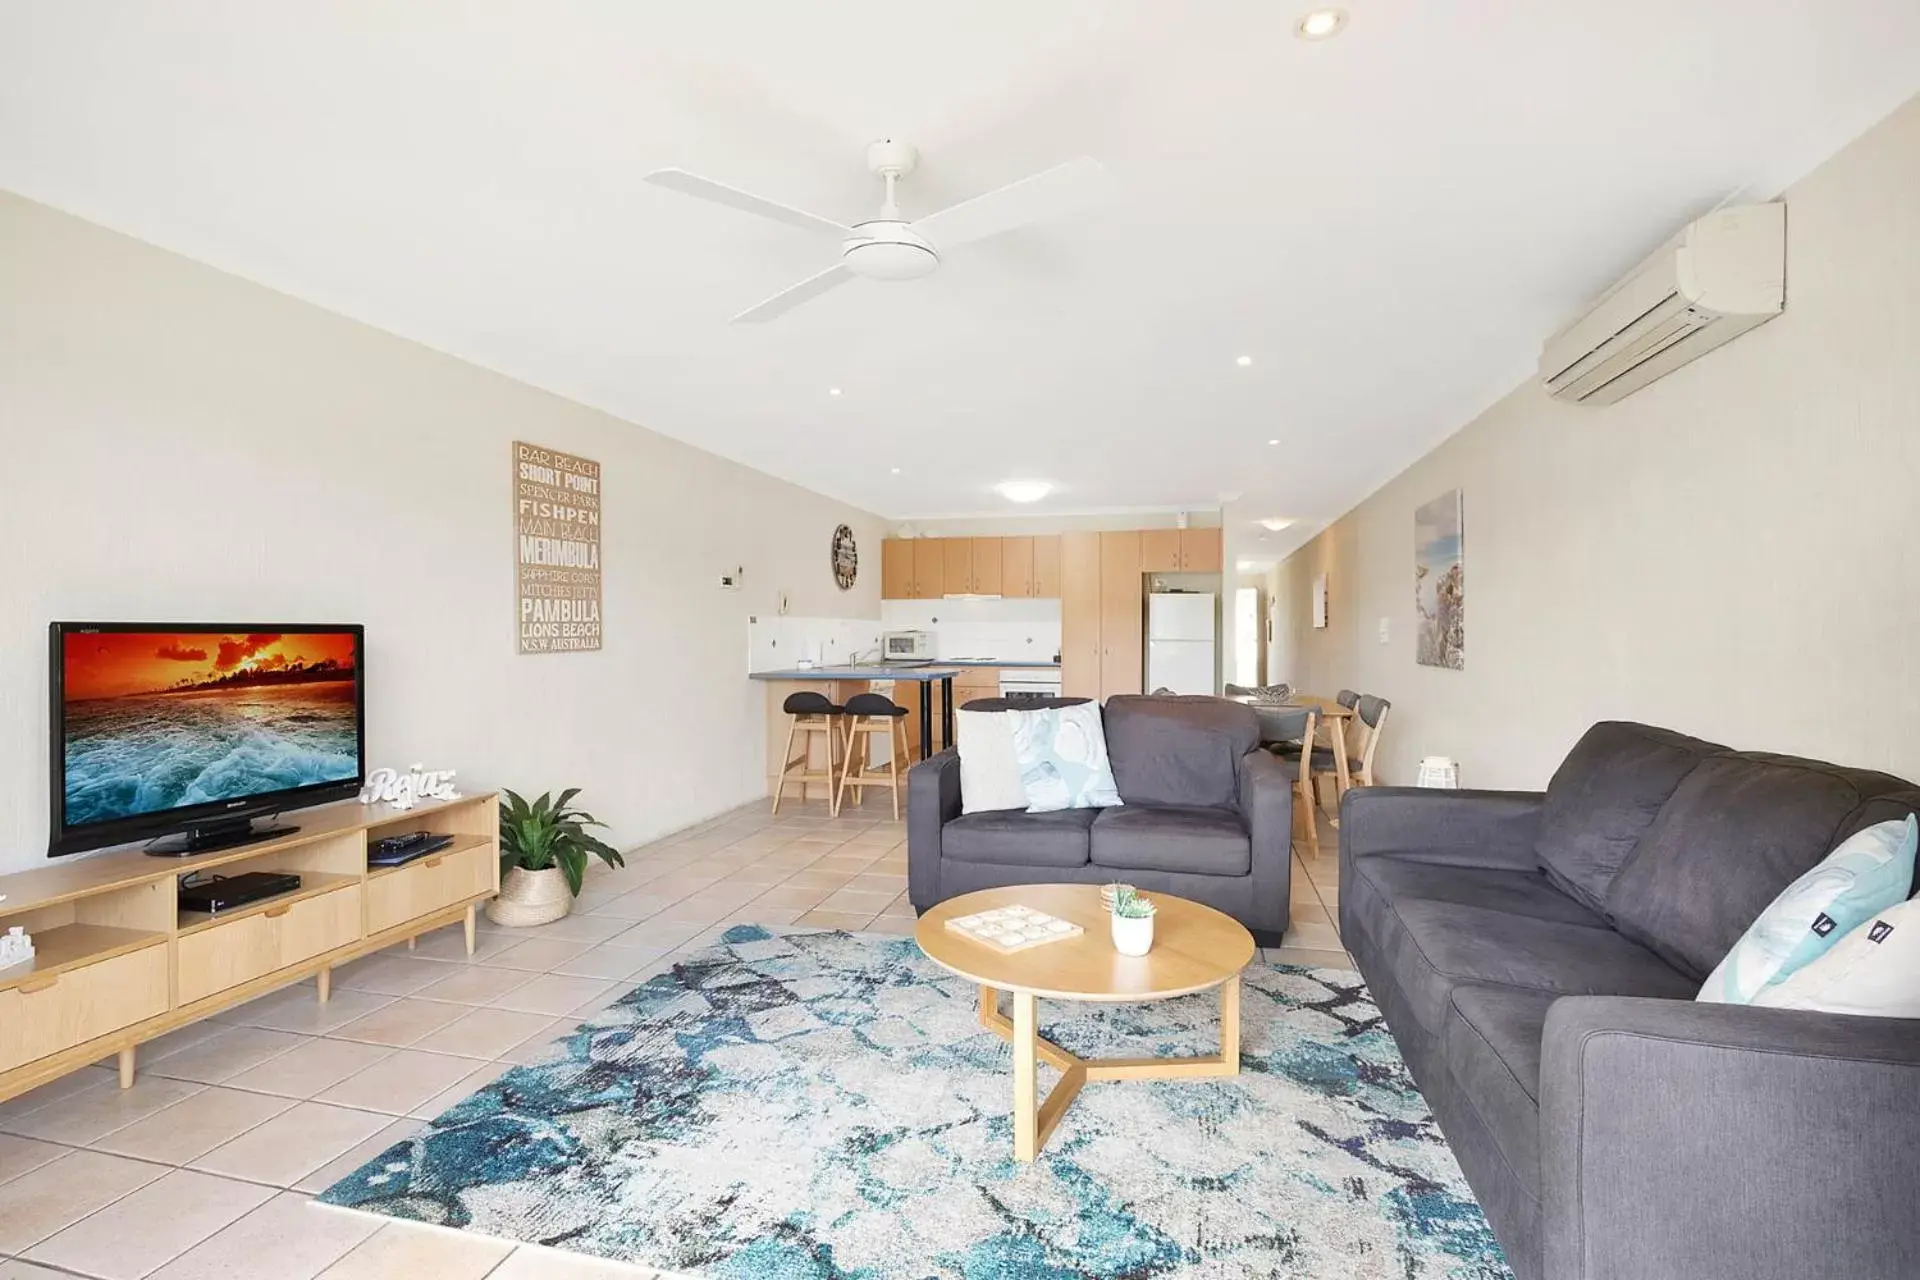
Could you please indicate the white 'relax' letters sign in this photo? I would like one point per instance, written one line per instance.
(402, 790)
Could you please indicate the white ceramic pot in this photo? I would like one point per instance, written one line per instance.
(528, 898)
(1133, 935)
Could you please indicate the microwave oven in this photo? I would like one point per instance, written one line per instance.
(907, 646)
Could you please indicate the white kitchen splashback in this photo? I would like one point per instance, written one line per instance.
(775, 643)
(1026, 630)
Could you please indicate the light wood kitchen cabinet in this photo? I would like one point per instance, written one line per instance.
(896, 569)
(1199, 550)
(988, 567)
(1016, 567)
(929, 568)
(1120, 620)
(957, 557)
(1160, 550)
(1079, 613)
(1046, 567)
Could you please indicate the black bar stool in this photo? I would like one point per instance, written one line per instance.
(810, 713)
(869, 715)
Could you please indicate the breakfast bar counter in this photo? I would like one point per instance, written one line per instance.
(841, 682)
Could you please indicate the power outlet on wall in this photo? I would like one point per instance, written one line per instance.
(730, 580)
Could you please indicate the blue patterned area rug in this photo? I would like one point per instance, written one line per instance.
(805, 1105)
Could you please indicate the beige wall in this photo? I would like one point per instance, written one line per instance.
(181, 444)
(1731, 551)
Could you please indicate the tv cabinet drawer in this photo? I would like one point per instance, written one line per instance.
(228, 953)
(423, 887)
(43, 1016)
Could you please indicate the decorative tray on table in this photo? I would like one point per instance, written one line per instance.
(1011, 929)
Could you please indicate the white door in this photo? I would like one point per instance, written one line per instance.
(1246, 636)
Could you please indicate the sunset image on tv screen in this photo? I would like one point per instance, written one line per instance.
(161, 720)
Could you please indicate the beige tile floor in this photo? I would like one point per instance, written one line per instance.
(205, 1167)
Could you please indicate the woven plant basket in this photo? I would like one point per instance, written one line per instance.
(528, 898)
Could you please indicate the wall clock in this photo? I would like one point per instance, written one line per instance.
(846, 557)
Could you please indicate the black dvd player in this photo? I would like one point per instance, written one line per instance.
(223, 893)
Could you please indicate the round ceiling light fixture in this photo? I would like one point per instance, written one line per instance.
(1023, 490)
(833, 391)
(1275, 524)
(1321, 24)
(888, 249)
(1243, 361)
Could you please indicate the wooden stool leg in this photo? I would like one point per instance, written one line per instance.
(786, 762)
(126, 1067)
(893, 762)
(846, 772)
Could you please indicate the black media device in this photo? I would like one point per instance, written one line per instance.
(190, 731)
(223, 893)
(396, 851)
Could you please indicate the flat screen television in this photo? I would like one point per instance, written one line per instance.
(186, 734)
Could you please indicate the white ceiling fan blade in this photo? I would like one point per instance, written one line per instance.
(1046, 194)
(787, 299)
(690, 184)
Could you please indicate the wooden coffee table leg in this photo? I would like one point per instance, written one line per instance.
(1230, 1025)
(990, 1016)
(1026, 1118)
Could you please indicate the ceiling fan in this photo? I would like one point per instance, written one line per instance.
(889, 247)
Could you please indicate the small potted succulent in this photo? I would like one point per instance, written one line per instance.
(544, 848)
(1132, 922)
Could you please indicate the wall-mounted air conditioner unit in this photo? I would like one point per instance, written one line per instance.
(1718, 278)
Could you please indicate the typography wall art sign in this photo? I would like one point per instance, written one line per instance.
(556, 525)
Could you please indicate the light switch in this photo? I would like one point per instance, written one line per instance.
(1383, 629)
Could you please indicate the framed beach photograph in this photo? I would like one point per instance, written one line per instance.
(1439, 583)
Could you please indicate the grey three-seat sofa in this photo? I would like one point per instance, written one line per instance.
(1536, 957)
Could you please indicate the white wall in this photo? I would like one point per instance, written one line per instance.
(1730, 552)
(182, 445)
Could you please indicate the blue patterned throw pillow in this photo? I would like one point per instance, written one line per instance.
(1062, 753)
(1871, 871)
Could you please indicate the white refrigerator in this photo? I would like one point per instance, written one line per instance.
(1180, 648)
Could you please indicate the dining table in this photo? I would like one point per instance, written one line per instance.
(1330, 716)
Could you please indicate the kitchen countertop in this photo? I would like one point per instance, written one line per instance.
(1024, 663)
(941, 671)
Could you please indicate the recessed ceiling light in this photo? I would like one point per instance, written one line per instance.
(833, 391)
(1243, 361)
(1275, 523)
(1273, 442)
(1023, 490)
(894, 471)
(1321, 24)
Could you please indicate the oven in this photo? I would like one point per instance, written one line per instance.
(1029, 684)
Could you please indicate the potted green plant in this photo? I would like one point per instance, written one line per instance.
(544, 847)
(1132, 922)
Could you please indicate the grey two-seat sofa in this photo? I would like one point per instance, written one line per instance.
(1206, 815)
(1536, 957)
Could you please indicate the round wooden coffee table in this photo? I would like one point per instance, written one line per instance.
(1194, 948)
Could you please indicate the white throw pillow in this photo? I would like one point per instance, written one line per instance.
(989, 770)
(1870, 871)
(1873, 971)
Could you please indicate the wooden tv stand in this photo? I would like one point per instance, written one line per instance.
(118, 963)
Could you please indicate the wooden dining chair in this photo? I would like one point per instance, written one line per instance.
(1372, 715)
(1288, 732)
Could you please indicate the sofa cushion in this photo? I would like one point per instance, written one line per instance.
(1434, 947)
(1521, 893)
(1492, 1047)
(1210, 842)
(1178, 751)
(1602, 799)
(1739, 829)
(1057, 839)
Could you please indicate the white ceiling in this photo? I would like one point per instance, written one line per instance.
(1388, 222)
